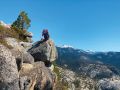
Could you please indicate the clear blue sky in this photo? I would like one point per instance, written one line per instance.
(85, 24)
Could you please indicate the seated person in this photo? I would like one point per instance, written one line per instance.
(45, 34)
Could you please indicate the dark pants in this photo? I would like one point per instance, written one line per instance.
(46, 37)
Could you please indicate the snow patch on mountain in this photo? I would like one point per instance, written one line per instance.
(65, 46)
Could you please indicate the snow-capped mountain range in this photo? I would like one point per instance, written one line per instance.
(68, 53)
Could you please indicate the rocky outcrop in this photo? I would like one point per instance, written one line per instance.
(8, 70)
(18, 71)
(35, 76)
(44, 51)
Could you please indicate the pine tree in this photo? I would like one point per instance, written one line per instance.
(22, 22)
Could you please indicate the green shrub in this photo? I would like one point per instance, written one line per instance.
(20, 34)
(56, 70)
(13, 32)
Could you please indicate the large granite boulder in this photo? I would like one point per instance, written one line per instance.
(8, 70)
(19, 51)
(36, 77)
(44, 51)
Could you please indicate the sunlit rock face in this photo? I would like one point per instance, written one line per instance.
(9, 76)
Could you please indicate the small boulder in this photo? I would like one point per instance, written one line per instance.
(29, 36)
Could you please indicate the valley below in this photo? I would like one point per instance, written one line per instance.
(90, 70)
